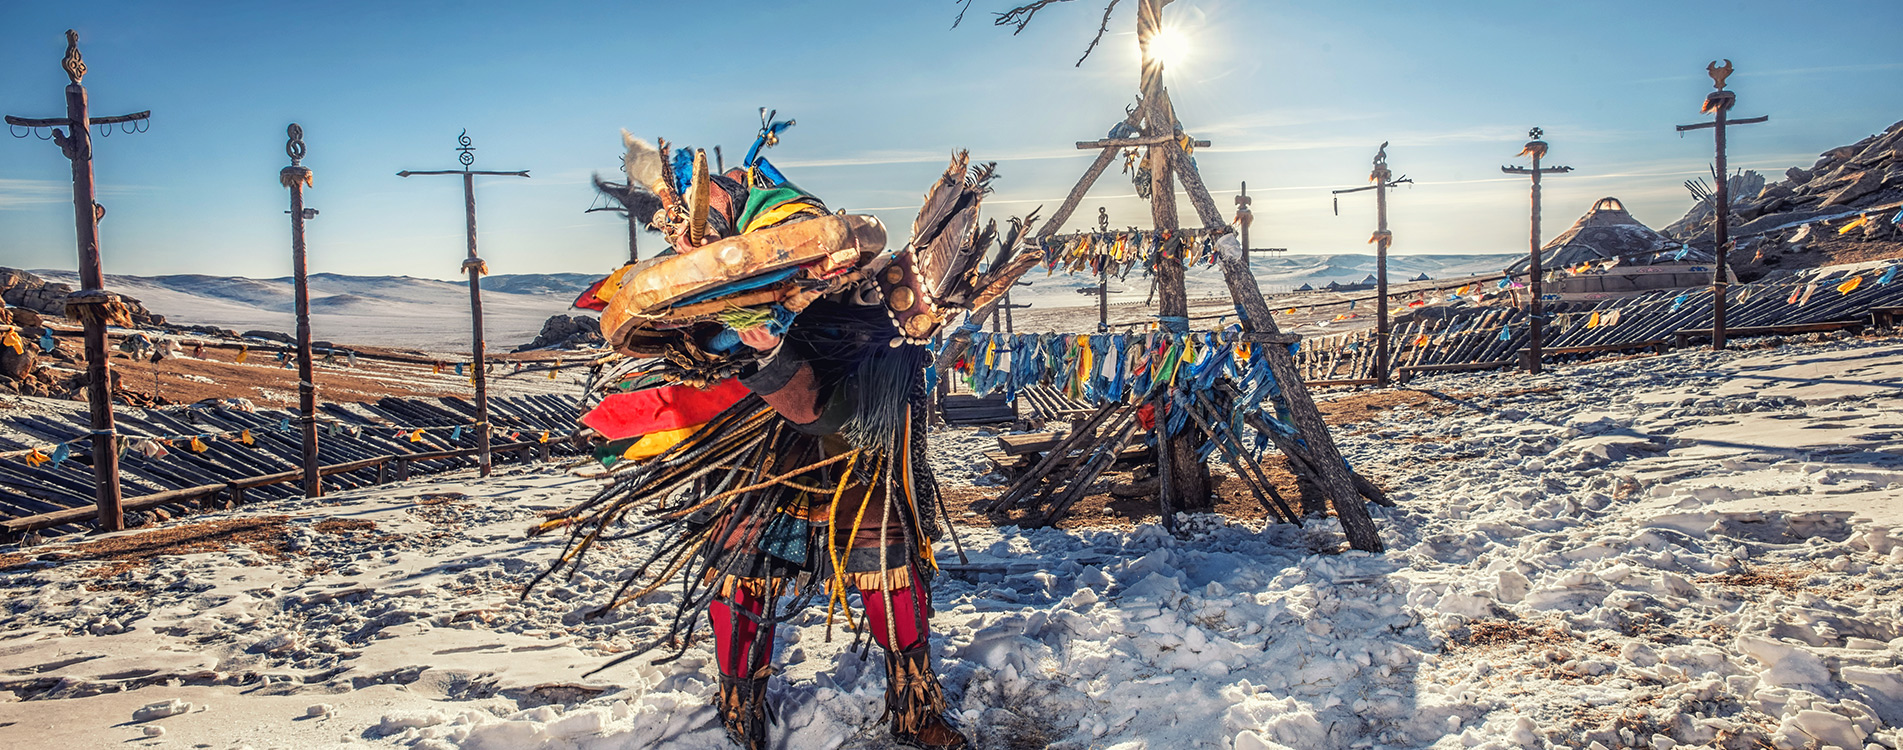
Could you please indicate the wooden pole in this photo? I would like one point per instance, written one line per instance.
(93, 305)
(473, 264)
(1719, 103)
(475, 267)
(1536, 308)
(1316, 448)
(1189, 478)
(297, 177)
(1381, 337)
(92, 278)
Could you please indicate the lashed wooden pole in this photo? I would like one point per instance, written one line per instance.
(297, 177)
(1189, 485)
(92, 303)
(475, 267)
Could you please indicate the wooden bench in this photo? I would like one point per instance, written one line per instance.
(1683, 338)
(1033, 442)
(966, 409)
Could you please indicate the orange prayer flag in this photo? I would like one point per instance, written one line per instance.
(1850, 285)
(35, 457)
(416, 437)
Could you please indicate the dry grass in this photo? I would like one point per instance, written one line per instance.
(1495, 633)
(264, 534)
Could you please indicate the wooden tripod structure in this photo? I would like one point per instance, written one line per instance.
(475, 268)
(1382, 179)
(1312, 454)
(94, 306)
(1719, 104)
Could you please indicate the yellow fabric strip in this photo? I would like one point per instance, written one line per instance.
(778, 214)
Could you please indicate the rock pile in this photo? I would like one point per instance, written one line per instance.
(566, 332)
(1768, 220)
(24, 289)
(23, 371)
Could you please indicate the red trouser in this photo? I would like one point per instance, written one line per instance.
(735, 634)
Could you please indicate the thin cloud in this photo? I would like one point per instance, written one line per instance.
(20, 195)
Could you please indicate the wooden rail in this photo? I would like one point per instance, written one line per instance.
(236, 487)
(1684, 337)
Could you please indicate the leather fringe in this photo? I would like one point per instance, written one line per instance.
(913, 697)
(887, 580)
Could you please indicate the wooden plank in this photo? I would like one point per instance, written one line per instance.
(1682, 337)
(1035, 442)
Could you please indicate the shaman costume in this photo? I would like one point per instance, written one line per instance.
(768, 423)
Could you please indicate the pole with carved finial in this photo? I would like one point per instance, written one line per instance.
(297, 177)
(92, 304)
(1536, 310)
(1718, 103)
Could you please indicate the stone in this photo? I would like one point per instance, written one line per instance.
(20, 365)
(561, 331)
(318, 709)
(161, 709)
(1857, 186)
(155, 731)
(282, 338)
(1797, 175)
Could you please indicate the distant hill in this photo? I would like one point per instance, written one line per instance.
(1276, 272)
(371, 310)
(434, 314)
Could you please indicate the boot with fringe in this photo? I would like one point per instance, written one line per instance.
(743, 711)
(916, 703)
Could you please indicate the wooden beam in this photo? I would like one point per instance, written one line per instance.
(1148, 140)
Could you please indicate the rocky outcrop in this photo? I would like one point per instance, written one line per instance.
(24, 371)
(566, 332)
(23, 289)
(1769, 221)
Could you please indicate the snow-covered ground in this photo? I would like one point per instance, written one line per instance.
(1687, 550)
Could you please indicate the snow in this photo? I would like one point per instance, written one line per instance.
(1694, 550)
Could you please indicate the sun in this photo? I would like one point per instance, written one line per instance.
(1170, 47)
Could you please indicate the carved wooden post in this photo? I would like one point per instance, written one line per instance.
(1719, 104)
(1536, 311)
(297, 177)
(92, 304)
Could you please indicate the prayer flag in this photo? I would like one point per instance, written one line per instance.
(1851, 285)
(245, 437)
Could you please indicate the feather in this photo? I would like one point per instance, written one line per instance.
(940, 200)
(999, 279)
(642, 162)
(640, 202)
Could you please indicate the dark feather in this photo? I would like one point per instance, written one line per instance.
(940, 200)
(640, 202)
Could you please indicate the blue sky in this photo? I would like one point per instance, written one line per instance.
(1295, 96)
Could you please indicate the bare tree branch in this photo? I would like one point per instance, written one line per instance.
(1020, 17)
(963, 5)
(1101, 30)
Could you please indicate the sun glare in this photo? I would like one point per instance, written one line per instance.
(1170, 47)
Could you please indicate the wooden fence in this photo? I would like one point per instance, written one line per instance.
(362, 448)
(1483, 338)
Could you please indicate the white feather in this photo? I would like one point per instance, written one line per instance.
(642, 162)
